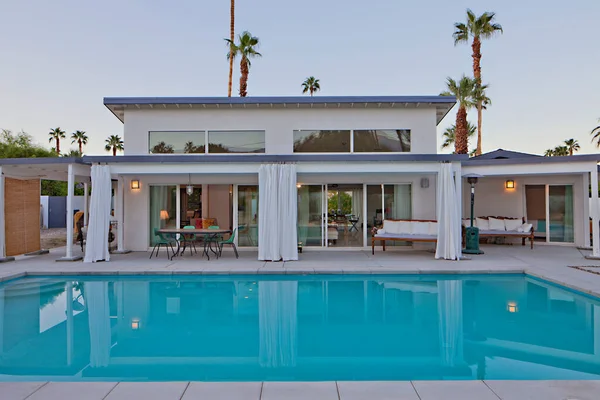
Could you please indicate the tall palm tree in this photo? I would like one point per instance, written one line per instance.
(481, 103)
(478, 28)
(596, 135)
(231, 39)
(81, 138)
(114, 143)
(246, 48)
(463, 91)
(549, 153)
(311, 84)
(561, 151)
(449, 134)
(572, 145)
(56, 134)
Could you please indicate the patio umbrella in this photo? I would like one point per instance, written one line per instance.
(97, 236)
(450, 322)
(448, 212)
(96, 299)
(277, 307)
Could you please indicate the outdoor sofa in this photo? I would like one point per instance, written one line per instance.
(491, 227)
(404, 230)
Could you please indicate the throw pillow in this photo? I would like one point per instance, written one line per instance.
(433, 228)
(467, 222)
(405, 227)
(392, 227)
(420, 228)
(526, 228)
(497, 224)
(512, 224)
(483, 224)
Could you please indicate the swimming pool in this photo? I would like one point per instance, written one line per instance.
(296, 328)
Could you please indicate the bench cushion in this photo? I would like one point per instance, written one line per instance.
(502, 233)
(408, 238)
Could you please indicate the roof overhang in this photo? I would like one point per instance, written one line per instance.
(118, 105)
(51, 168)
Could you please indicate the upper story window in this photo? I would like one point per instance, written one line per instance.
(236, 141)
(321, 141)
(382, 140)
(194, 142)
(180, 142)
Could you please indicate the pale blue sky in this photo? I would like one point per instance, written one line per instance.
(61, 58)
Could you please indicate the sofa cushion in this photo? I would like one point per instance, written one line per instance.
(392, 227)
(497, 224)
(512, 224)
(433, 228)
(525, 228)
(420, 228)
(483, 224)
(405, 227)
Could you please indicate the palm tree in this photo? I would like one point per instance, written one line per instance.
(56, 134)
(463, 91)
(449, 134)
(246, 48)
(561, 151)
(81, 138)
(114, 143)
(231, 39)
(482, 27)
(572, 146)
(481, 103)
(73, 153)
(549, 153)
(311, 85)
(596, 135)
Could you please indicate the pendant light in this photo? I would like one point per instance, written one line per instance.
(189, 188)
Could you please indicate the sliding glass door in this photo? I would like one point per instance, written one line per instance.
(550, 210)
(247, 215)
(310, 216)
(163, 209)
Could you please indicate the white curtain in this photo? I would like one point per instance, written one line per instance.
(450, 322)
(277, 305)
(448, 213)
(96, 301)
(402, 202)
(97, 236)
(357, 205)
(278, 212)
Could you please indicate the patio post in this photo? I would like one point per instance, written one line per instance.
(85, 204)
(594, 212)
(3, 257)
(70, 191)
(120, 214)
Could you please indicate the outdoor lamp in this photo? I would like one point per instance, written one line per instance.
(512, 307)
(472, 232)
(509, 184)
(164, 214)
(189, 189)
(135, 184)
(135, 324)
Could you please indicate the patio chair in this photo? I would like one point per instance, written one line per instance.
(189, 238)
(162, 241)
(230, 241)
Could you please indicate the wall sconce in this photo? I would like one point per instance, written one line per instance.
(135, 324)
(509, 184)
(298, 185)
(512, 307)
(135, 184)
(424, 183)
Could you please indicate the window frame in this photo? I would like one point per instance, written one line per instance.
(352, 151)
(206, 136)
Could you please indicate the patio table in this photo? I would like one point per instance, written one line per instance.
(208, 234)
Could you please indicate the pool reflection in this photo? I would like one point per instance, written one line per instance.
(313, 328)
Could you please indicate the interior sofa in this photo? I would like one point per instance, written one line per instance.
(415, 230)
(490, 227)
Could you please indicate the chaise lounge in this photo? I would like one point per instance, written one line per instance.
(416, 230)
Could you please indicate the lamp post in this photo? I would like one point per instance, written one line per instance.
(472, 232)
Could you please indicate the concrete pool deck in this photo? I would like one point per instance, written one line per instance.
(547, 262)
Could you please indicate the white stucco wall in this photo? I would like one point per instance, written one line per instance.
(279, 124)
(493, 199)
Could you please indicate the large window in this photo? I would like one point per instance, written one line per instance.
(236, 141)
(179, 142)
(382, 140)
(315, 141)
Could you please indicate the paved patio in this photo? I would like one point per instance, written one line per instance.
(547, 262)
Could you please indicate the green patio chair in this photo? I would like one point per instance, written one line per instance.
(163, 241)
(230, 241)
(189, 238)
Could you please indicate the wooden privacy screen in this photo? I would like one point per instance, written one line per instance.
(22, 215)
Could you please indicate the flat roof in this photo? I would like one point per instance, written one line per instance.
(532, 160)
(118, 105)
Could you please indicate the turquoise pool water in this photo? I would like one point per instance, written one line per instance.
(309, 328)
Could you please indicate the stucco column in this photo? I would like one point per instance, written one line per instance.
(594, 212)
(120, 214)
(70, 191)
(586, 211)
(85, 203)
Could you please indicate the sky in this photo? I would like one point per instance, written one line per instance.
(61, 58)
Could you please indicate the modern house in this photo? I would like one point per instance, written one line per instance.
(358, 161)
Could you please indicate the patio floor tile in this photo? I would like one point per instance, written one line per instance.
(73, 391)
(546, 390)
(453, 390)
(148, 390)
(18, 390)
(377, 390)
(223, 391)
(299, 391)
